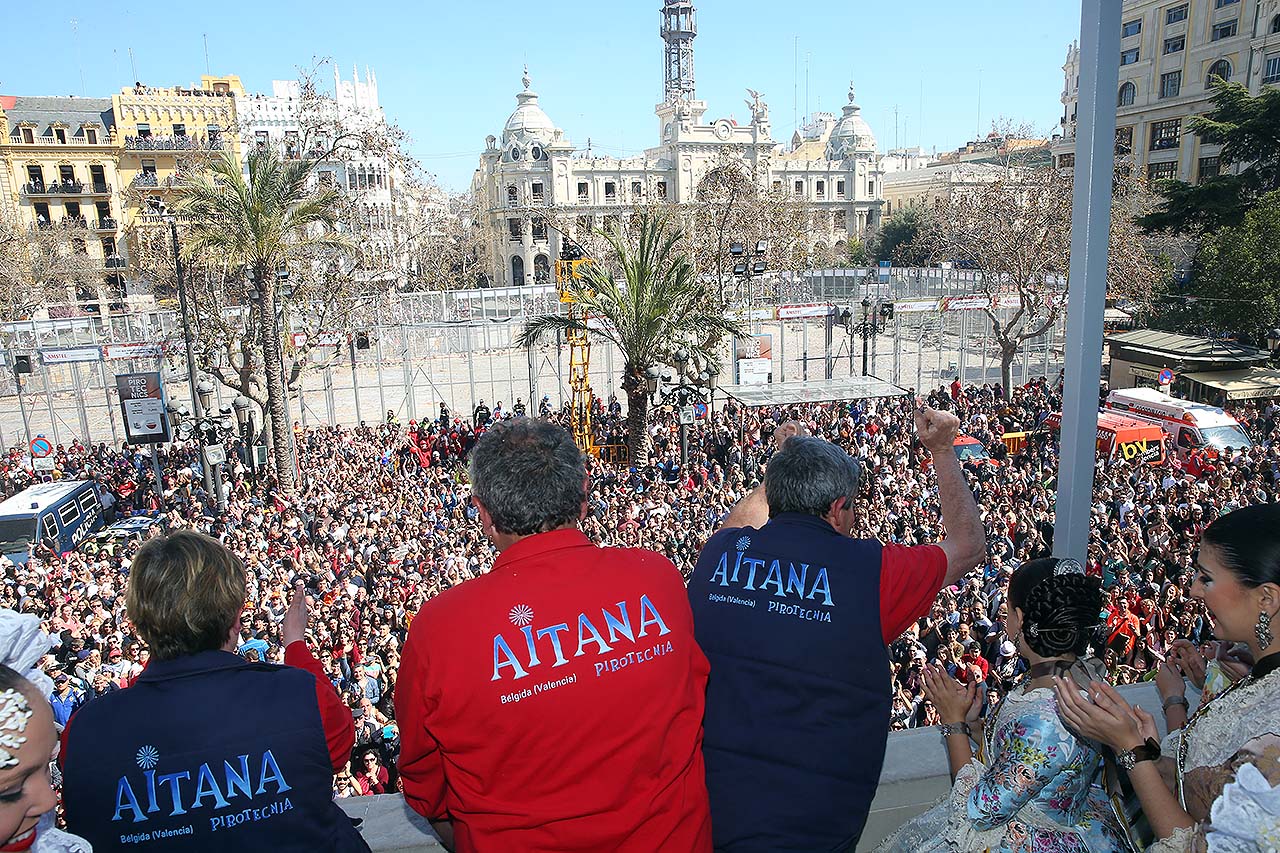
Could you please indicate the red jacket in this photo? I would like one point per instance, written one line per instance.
(555, 704)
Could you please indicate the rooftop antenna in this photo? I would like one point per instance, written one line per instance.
(978, 134)
(806, 85)
(133, 66)
(795, 83)
(895, 127)
(205, 36)
(921, 129)
(75, 35)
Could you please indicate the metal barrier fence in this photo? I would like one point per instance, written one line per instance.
(459, 348)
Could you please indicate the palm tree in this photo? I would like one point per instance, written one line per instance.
(656, 307)
(261, 222)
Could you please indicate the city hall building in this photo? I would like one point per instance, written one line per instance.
(831, 165)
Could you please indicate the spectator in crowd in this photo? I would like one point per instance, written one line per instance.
(380, 528)
(371, 776)
(556, 702)
(288, 734)
(65, 699)
(795, 617)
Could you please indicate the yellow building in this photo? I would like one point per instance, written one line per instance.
(58, 174)
(163, 131)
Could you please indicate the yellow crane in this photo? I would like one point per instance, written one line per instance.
(569, 269)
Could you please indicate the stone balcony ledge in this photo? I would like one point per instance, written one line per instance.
(915, 776)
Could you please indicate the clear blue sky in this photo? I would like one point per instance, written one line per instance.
(448, 72)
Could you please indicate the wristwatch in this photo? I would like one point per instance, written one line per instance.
(948, 729)
(1175, 700)
(1149, 750)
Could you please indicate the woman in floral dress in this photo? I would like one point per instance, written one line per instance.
(1031, 787)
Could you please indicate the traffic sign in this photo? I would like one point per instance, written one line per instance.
(40, 447)
(1166, 377)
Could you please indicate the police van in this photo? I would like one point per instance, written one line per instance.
(1190, 426)
(61, 514)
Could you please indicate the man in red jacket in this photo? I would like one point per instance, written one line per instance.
(555, 703)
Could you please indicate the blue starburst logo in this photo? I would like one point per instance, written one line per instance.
(744, 542)
(521, 615)
(148, 757)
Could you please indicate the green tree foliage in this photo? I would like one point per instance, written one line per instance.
(1237, 284)
(857, 254)
(897, 240)
(646, 299)
(1248, 129)
(261, 222)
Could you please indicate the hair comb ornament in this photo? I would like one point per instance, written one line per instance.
(14, 714)
(1068, 567)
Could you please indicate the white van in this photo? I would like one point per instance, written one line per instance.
(1189, 425)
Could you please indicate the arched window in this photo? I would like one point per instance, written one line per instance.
(1218, 71)
(517, 270)
(515, 153)
(1128, 92)
(1275, 25)
(536, 152)
(541, 269)
(513, 198)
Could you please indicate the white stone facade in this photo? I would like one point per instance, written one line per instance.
(532, 164)
(380, 188)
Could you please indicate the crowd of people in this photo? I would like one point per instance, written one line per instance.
(382, 521)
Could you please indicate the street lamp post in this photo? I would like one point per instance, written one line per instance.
(682, 393)
(867, 328)
(243, 407)
(748, 265)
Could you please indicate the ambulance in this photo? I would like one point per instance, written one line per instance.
(1123, 437)
(1190, 426)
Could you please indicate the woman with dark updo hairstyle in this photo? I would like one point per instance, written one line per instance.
(1031, 784)
(1225, 760)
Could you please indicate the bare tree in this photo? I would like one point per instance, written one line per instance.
(42, 263)
(449, 245)
(1016, 232)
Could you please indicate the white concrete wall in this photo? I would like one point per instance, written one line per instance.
(914, 777)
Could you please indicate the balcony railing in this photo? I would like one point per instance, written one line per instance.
(145, 179)
(115, 262)
(106, 223)
(172, 143)
(75, 222)
(53, 188)
(100, 188)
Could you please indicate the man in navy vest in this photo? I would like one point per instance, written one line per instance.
(795, 617)
(207, 751)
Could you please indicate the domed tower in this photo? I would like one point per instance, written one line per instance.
(852, 136)
(529, 130)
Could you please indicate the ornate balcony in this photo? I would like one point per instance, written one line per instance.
(145, 179)
(53, 188)
(172, 143)
(75, 222)
(106, 223)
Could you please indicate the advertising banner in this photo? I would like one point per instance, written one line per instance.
(142, 405)
(70, 355)
(134, 349)
(797, 312)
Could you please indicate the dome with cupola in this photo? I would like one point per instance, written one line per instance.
(529, 129)
(851, 135)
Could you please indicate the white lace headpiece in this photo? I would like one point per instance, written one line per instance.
(15, 712)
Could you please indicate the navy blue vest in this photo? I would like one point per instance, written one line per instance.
(798, 700)
(207, 752)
